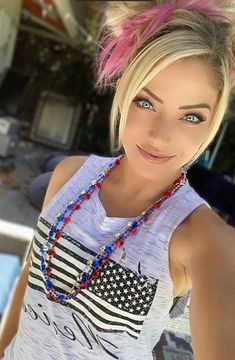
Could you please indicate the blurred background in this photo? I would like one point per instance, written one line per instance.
(49, 110)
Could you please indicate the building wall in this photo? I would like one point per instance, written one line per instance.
(70, 12)
(13, 8)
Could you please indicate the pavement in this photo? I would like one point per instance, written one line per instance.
(18, 219)
(16, 173)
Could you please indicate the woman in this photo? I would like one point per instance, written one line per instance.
(122, 242)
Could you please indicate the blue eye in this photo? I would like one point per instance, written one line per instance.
(198, 116)
(137, 100)
(145, 106)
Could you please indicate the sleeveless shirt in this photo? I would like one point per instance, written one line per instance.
(123, 312)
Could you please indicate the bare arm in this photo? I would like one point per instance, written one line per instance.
(211, 266)
(64, 170)
(11, 318)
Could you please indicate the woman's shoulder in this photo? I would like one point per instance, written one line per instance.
(202, 233)
(209, 231)
(198, 233)
(202, 226)
(61, 174)
(71, 164)
(204, 221)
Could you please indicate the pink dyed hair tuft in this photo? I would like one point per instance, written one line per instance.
(117, 50)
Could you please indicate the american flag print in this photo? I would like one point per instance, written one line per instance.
(130, 296)
(117, 301)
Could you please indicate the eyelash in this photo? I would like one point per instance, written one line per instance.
(200, 117)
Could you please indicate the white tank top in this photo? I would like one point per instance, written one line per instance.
(123, 312)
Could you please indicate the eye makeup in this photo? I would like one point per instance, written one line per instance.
(201, 118)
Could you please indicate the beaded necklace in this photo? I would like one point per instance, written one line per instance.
(93, 265)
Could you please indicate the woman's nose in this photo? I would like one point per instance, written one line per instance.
(161, 130)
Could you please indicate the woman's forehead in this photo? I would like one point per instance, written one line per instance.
(187, 82)
(185, 70)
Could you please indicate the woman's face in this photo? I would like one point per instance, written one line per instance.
(171, 116)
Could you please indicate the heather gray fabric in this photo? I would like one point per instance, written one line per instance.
(122, 314)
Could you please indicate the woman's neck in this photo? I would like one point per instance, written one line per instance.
(128, 182)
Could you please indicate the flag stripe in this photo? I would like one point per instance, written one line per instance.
(118, 300)
(102, 324)
(136, 319)
(45, 226)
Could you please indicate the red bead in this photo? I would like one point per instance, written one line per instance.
(76, 207)
(87, 196)
(95, 273)
(145, 218)
(83, 286)
(117, 162)
(107, 173)
(168, 193)
(48, 271)
(133, 231)
(51, 252)
(58, 235)
(157, 206)
(66, 220)
(177, 182)
(98, 185)
(119, 243)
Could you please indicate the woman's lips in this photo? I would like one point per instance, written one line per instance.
(154, 159)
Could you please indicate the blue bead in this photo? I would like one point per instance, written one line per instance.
(42, 251)
(108, 249)
(61, 297)
(42, 267)
(51, 233)
(48, 284)
(84, 278)
(61, 217)
(134, 224)
(89, 271)
(70, 206)
(96, 263)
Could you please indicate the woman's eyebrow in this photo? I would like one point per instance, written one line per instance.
(152, 95)
(203, 105)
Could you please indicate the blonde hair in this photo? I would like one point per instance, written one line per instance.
(186, 35)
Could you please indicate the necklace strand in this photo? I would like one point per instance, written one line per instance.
(94, 265)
